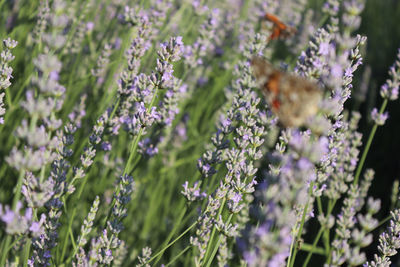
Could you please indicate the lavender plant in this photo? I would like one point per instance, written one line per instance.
(6, 72)
(165, 91)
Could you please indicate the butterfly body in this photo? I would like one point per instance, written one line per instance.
(292, 98)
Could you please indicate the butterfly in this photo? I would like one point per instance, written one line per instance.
(279, 29)
(293, 99)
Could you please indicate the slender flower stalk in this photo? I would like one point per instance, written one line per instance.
(389, 92)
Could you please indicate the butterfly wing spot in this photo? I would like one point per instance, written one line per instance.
(276, 104)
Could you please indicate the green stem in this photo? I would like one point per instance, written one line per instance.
(309, 248)
(8, 98)
(210, 241)
(177, 256)
(290, 253)
(124, 45)
(132, 152)
(368, 145)
(173, 242)
(16, 198)
(134, 145)
(323, 20)
(27, 249)
(110, 26)
(171, 234)
(332, 204)
(320, 232)
(17, 195)
(325, 231)
(21, 90)
(71, 219)
(216, 247)
(5, 246)
(381, 223)
(65, 242)
(116, 192)
(1, 4)
(116, 106)
(303, 219)
(314, 245)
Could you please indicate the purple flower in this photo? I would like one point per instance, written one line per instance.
(324, 48)
(47, 254)
(117, 43)
(21, 224)
(378, 118)
(193, 193)
(202, 81)
(178, 41)
(348, 72)
(172, 50)
(304, 164)
(8, 216)
(154, 115)
(146, 147)
(181, 131)
(35, 227)
(337, 71)
(140, 107)
(219, 51)
(5, 71)
(391, 94)
(54, 75)
(90, 26)
(250, 257)
(313, 150)
(236, 197)
(106, 146)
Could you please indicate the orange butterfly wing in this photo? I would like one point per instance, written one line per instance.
(279, 29)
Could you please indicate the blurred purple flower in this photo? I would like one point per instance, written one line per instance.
(379, 119)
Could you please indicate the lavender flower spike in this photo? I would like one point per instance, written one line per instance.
(389, 243)
(5, 72)
(390, 90)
